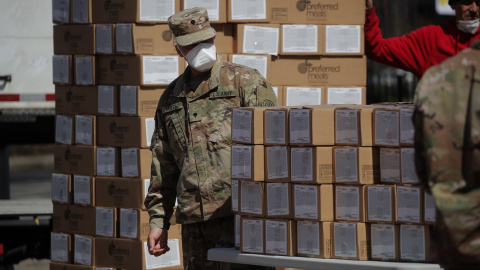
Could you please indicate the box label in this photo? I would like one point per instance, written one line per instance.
(276, 237)
(300, 126)
(123, 38)
(277, 162)
(343, 39)
(346, 164)
(302, 164)
(390, 165)
(275, 130)
(345, 240)
(104, 220)
(83, 130)
(347, 203)
(81, 189)
(128, 223)
(251, 197)
(277, 199)
(106, 161)
(306, 201)
(344, 95)
(302, 96)
(104, 40)
(346, 127)
(252, 232)
(105, 99)
(60, 187)
(308, 237)
(380, 203)
(383, 241)
(260, 40)
(248, 9)
(300, 38)
(241, 162)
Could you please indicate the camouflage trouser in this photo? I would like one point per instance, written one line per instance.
(198, 238)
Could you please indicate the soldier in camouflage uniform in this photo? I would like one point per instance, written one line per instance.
(447, 142)
(191, 144)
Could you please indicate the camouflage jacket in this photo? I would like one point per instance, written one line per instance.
(447, 142)
(191, 143)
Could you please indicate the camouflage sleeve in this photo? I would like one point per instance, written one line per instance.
(255, 90)
(161, 196)
(418, 121)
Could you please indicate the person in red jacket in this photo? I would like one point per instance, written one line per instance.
(427, 46)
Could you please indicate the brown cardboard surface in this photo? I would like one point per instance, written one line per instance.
(247, 20)
(273, 120)
(120, 192)
(256, 206)
(240, 34)
(360, 208)
(377, 200)
(326, 206)
(139, 100)
(122, 11)
(323, 125)
(289, 247)
(259, 242)
(86, 130)
(143, 166)
(74, 39)
(281, 93)
(145, 39)
(324, 164)
(75, 159)
(368, 165)
(83, 259)
(224, 40)
(272, 201)
(54, 249)
(366, 126)
(81, 100)
(256, 128)
(73, 219)
(67, 266)
(122, 131)
(386, 256)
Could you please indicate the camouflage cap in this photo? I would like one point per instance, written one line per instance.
(191, 26)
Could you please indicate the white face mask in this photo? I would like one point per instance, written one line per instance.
(469, 27)
(201, 57)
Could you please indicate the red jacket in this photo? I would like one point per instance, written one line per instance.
(418, 50)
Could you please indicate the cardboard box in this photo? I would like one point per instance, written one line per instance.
(139, 101)
(252, 199)
(345, 95)
(134, 224)
(369, 165)
(252, 238)
(277, 164)
(275, 126)
(414, 243)
(379, 200)
(248, 162)
(385, 242)
(318, 71)
(313, 202)
(314, 239)
(280, 93)
(217, 10)
(139, 69)
(407, 166)
(108, 161)
(429, 209)
(61, 11)
(225, 37)
(66, 266)
(106, 222)
(121, 192)
(76, 159)
(248, 12)
(84, 250)
(132, 11)
(85, 72)
(84, 190)
(312, 126)
(390, 171)
(324, 165)
(125, 131)
(73, 219)
(64, 129)
(258, 38)
(60, 247)
(280, 237)
(349, 203)
(131, 38)
(351, 241)
(303, 96)
(278, 201)
(85, 130)
(104, 38)
(343, 40)
(74, 39)
(386, 127)
(347, 126)
(62, 69)
(408, 205)
(366, 122)
(235, 187)
(302, 164)
(86, 100)
(317, 12)
(61, 188)
(136, 162)
(81, 11)
(301, 39)
(262, 63)
(407, 129)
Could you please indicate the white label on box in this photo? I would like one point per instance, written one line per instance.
(103, 38)
(299, 126)
(390, 165)
(346, 164)
(408, 204)
(83, 130)
(277, 162)
(260, 40)
(251, 197)
(306, 201)
(386, 128)
(347, 203)
(59, 187)
(128, 99)
(81, 189)
(241, 161)
(412, 242)
(301, 160)
(128, 223)
(252, 235)
(146, 185)
(149, 129)
(275, 130)
(343, 39)
(156, 10)
(235, 195)
(249, 9)
(59, 247)
(303, 96)
(380, 203)
(212, 6)
(124, 38)
(130, 162)
(301, 38)
(346, 126)
(275, 91)
(106, 161)
(237, 231)
(84, 70)
(383, 241)
(83, 250)
(171, 258)
(276, 237)
(345, 239)
(344, 95)
(277, 199)
(105, 99)
(407, 130)
(160, 69)
(242, 125)
(63, 129)
(80, 11)
(308, 237)
(61, 11)
(409, 172)
(61, 69)
(430, 209)
(254, 61)
(104, 221)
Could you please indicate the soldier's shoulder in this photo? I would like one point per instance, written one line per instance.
(233, 68)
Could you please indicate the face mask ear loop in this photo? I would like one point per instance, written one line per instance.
(178, 47)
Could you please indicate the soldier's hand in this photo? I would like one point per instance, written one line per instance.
(158, 241)
(368, 4)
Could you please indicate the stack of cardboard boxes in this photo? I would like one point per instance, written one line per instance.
(328, 181)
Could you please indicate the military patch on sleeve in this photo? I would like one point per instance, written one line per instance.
(268, 103)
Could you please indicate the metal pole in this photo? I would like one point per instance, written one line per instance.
(4, 173)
